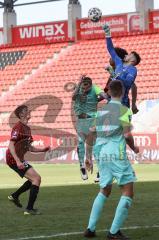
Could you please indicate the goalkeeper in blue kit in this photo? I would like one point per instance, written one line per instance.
(125, 70)
(113, 130)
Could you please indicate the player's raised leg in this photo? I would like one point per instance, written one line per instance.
(81, 156)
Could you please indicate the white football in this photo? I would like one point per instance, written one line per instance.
(94, 14)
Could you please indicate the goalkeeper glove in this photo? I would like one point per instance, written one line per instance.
(110, 69)
(106, 29)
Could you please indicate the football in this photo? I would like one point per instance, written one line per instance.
(94, 14)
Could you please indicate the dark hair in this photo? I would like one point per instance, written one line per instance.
(116, 88)
(137, 56)
(87, 79)
(121, 52)
(19, 109)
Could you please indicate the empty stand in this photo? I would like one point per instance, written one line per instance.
(16, 63)
(86, 57)
(10, 58)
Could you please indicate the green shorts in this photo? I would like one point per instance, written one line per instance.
(108, 175)
(114, 165)
(83, 126)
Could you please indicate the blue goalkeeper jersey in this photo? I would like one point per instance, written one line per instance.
(123, 72)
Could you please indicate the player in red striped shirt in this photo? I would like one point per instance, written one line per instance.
(20, 143)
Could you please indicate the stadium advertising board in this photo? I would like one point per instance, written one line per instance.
(87, 29)
(134, 22)
(154, 20)
(149, 148)
(148, 145)
(39, 141)
(39, 33)
(66, 153)
(119, 24)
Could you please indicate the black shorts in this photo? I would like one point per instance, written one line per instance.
(21, 172)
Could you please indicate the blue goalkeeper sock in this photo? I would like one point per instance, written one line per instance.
(121, 213)
(96, 210)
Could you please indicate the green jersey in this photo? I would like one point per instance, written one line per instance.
(87, 103)
(110, 147)
(111, 122)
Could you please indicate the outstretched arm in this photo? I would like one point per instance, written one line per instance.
(110, 46)
(76, 92)
(38, 150)
(134, 98)
(77, 89)
(111, 49)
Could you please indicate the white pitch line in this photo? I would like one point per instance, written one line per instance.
(79, 233)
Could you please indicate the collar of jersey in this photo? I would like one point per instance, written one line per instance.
(115, 101)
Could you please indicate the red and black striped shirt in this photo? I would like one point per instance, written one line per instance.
(19, 133)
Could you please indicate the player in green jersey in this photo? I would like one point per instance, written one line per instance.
(85, 97)
(113, 129)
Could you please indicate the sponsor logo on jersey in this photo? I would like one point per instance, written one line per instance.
(14, 134)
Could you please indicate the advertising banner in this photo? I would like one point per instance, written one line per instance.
(149, 148)
(64, 151)
(134, 22)
(154, 20)
(89, 30)
(39, 33)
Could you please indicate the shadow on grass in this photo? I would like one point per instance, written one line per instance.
(66, 209)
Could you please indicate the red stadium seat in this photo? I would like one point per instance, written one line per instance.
(87, 57)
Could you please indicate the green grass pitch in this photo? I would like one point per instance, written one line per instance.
(66, 201)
